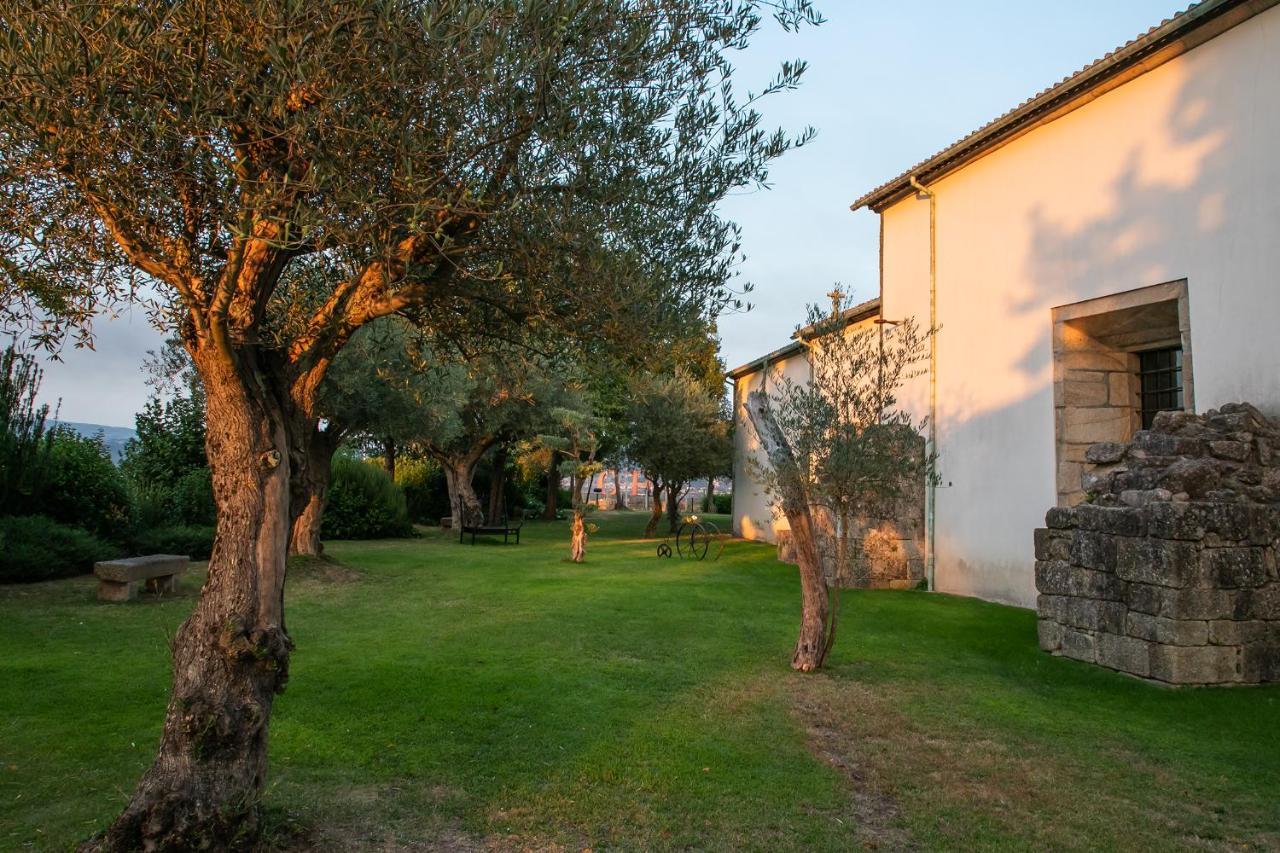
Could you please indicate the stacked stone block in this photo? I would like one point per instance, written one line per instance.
(1093, 402)
(1169, 570)
(889, 548)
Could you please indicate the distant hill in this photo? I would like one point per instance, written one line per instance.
(115, 437)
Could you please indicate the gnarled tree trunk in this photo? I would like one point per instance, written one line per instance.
(709, 502)
(389, 455)
(464, 506)
(498, 484)
(231, 656)
(578, 536)
(811, 647)
(673, 506)
(311, 475)
(655, 511)
(620, 496)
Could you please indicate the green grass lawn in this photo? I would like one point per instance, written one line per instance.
(457, 697)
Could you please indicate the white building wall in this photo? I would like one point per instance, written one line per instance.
(1174, 175)
(753, 514)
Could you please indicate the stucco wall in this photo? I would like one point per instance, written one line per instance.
(753, 516)
(1174, 175)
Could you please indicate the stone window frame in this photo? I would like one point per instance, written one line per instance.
(1068, 461)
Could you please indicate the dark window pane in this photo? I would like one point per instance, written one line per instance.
(1160, 372)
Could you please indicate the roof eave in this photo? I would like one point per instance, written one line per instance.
(1175, 37)
(854, 314)
(758, 363)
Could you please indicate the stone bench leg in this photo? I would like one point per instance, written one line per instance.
(166, 585)
(116, 591)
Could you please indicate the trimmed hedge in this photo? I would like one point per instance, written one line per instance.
(37, 548)
(364, 503)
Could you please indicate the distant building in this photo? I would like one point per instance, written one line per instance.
(637, 491)
(1106, 250)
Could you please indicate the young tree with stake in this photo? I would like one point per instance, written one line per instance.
(837, 449)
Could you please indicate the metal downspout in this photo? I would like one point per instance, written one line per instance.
(931, 494)
(733, 470)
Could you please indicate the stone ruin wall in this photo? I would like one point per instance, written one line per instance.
(1169, 570)
(890, 542)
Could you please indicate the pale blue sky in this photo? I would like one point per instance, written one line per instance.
(888, 85)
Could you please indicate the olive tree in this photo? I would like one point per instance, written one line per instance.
(839, 447)
(678, 433)
(377, 389)
(575, 443)
(553, 159)
(491, 399)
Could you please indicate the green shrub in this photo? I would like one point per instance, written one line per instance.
(83, 487)
(723, 503)
(191, 540)
(192, 498)
(36, 548)
(186, 502)
(425, 492)
(25, 439)
(170, 440)
(364, 503)
(152, 505)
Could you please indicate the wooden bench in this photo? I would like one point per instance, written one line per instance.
(118, 580)
(505, 529)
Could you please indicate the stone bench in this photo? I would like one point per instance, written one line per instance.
(118, 580)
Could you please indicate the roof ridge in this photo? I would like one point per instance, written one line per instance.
(1187, 20)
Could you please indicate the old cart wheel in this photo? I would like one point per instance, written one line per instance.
(692, 541)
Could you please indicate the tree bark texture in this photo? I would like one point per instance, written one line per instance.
(839, 534)
(231, 656)
(655, 512)
(498, 484)
(389, 455)
(811, 647)
(673, 506)
(310, 478)
(620, 496)
(578, 536)
(709, 502)
(464, 506)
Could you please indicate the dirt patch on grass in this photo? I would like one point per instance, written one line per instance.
(355, 839)
(392, 817)
(321, 570)
(824, 712)
(949, 780)
(366, 838)
(400, 817)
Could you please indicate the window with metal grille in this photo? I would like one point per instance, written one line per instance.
(1160, 372)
